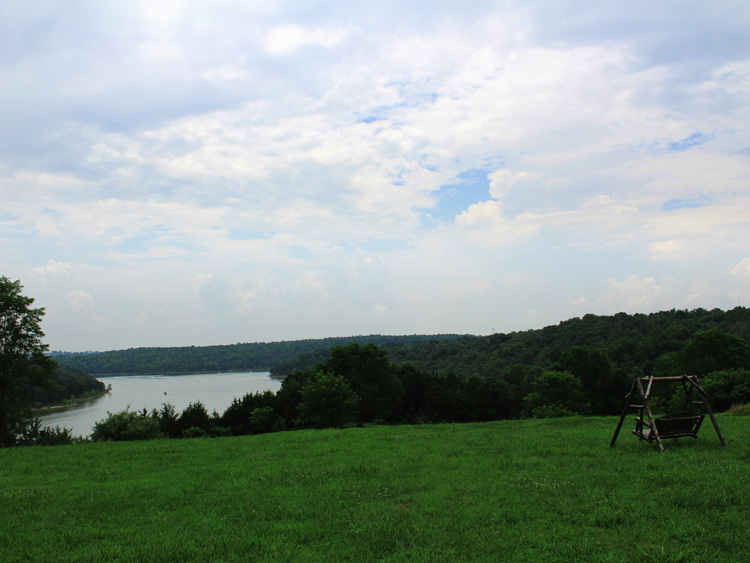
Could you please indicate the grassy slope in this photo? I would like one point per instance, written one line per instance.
(541, 490)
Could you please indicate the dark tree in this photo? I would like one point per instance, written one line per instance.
(369, 374)
(713, 350)
(727, 388)
(23, 360)
(289, 396)
(265, 419)
(327, 401)
(446, 399)
(487, 399)
(167, 418)
(518, 377)
(196, 416)
(604, 387)
(66, 383)
(555, 393)
(126, 426)
(708, 351)
(414, 399)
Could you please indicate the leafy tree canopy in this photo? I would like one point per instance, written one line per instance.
(327, 401)
(603, 386)
(366, 369)
(23, 363)
(560, 390)
(713, 350)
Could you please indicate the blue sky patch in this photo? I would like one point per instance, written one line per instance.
(455, 198)
(243, 234)
(674, 204)
(693, 140)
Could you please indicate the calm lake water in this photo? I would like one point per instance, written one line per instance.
(214, 390)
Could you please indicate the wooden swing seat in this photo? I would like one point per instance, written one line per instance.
(674, 425)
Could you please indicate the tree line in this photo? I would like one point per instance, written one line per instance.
(256, 356)
(359, 385)
(557, 371)
(630, 342)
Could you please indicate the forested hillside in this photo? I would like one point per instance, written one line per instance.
(629, 341)
(205, 359)
(65, 384)
(579, 367)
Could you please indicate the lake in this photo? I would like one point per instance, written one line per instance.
(214, 390)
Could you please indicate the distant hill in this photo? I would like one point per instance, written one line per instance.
(629, 341)
(257, 356)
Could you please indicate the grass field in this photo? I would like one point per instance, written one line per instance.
(535, 490)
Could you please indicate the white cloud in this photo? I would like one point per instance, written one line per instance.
(288, 38)
(80, 301)
(670, 250)
(379, 310)
(742, 269)
(52, 267)
(503, 180)
(301, 156)
(631, 295)
(202, 280)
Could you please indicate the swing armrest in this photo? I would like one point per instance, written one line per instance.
(639, 420)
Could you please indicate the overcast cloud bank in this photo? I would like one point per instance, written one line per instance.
(180, 173)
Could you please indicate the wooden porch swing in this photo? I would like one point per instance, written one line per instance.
(680, 424)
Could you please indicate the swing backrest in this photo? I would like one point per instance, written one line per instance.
(678, 424)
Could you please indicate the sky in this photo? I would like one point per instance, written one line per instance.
(198, 173)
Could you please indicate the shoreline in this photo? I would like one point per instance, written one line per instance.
(176, 373)
(69, 403)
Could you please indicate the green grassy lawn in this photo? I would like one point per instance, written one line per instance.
(535, 490)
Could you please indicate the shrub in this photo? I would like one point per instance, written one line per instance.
(34, 434)
(740, 410)
(194, 415)
(237, 417)
(327, 401)
(367, 372)
(726, 388)
(558, 389)
(287, 400)
(126, 426)
(218, 431)
(168, 420)
(194, 432)
(551, 411)
(714, 350)
(265, 419)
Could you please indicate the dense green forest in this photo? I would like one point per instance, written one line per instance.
(582, 366)
(629, 342)
(257, 356)
(65, 384)
(358, 384)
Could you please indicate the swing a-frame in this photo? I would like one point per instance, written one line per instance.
(680, 424)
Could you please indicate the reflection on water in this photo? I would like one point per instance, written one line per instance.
(214, 390)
